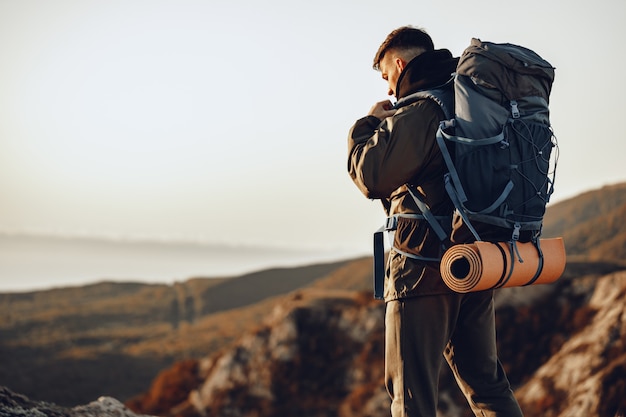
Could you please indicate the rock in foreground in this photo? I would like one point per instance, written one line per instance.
(13, 404)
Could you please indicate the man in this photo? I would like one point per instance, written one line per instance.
(388, 149)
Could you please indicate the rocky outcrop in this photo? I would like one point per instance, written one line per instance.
(320, 353)
(305, 360)
(17, 405)
(587, 376)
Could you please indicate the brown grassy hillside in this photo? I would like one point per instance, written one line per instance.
(71, 345)
(592, 224)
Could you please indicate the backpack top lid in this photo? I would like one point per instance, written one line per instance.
(513, 70)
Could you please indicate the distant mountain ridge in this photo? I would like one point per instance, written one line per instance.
(31, 262)
(117, 337)
(591, 224)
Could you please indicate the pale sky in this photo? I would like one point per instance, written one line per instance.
(226, 121)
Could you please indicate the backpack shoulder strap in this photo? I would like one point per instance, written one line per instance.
(443, 95)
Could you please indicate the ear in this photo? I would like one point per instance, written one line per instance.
(400, 64)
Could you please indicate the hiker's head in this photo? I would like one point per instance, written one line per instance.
(398, 49)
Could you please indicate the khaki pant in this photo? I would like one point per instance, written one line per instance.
(462, 327)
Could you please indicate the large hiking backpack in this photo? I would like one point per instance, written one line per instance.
(498, 145)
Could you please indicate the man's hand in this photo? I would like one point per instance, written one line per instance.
(382, 109)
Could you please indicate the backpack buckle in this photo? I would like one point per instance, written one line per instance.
(446, 124)
(514, 109)
(516, 231)
(391, 223)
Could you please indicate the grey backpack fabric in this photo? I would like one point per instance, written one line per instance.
(499, 143)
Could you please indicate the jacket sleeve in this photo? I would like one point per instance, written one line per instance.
(384, 155)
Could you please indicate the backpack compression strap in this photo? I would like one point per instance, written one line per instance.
(428, 215)
(453, 181)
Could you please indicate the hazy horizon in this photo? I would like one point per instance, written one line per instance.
(37, 262)
(31, 261)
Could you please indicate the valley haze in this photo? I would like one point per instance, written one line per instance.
(34, 262)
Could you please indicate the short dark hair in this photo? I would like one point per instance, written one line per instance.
(404, 38)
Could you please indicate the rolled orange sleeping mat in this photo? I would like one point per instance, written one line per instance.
(485, 265)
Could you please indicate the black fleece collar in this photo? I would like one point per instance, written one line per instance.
(427, 70)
